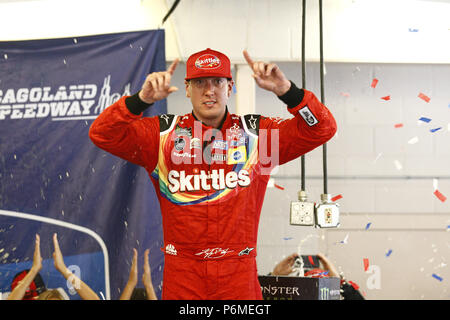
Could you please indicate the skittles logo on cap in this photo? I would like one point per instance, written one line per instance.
(207, 61)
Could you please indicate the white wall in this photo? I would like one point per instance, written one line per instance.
(354, 30)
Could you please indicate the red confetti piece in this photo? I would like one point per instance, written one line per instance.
(386, 98)
(440, 196)
(354, 285)
(336, 198)
(345, 94)
(366, 264)
(398, 125)
(311, 260)
(277, 186)
(424, 97)
(374, 83)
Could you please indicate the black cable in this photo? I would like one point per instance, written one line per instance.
(322, 97)
(175, 4)
(303, 81)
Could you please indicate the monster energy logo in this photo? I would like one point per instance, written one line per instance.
(324, 294)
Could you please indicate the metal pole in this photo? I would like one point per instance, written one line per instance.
(322, 97)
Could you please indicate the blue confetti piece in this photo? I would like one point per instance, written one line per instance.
(413, 30)
(389, 253)
(425, 119)
(437, 277)
(434, 130)
(234, 89)
(368, 225)
(288, 238)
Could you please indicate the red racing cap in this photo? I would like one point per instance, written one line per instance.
(208, 63)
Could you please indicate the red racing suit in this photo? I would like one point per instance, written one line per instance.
(211, 184)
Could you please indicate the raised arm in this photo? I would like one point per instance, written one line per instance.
(132, 279)
(121, 130)
(19, 291)
(83, 290)
(282, 140)
(147, 278)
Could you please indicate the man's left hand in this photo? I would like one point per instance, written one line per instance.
(268, 76)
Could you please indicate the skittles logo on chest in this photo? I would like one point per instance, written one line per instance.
(207, 61)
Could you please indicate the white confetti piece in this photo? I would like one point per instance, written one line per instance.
(435, 184)
(5, 56)
(378, 157)
(75, 40)
(413, 140)
(398, 165)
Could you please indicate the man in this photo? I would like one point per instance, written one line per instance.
(210, 168)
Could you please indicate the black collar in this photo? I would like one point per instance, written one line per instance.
(221, 122)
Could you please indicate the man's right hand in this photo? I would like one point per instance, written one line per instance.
(157, 85)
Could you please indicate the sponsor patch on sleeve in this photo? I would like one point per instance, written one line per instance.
(308, 116)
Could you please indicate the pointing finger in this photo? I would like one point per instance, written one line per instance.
(173, 66)
(248, 59)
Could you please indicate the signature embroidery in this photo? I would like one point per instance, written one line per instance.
(214, 253)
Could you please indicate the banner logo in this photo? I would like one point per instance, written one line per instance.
(73, 102)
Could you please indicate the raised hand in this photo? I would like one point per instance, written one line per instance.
(133, 278)
(268, 76)
(285, 266)
(147, 278)
(37, 259)
(58, 257)
(157, 85)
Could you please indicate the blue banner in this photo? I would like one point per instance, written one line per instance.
(52, 177)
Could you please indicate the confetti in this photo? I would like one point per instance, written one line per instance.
(424, 119)
(374, 83)
(398, 165)
(378, 157)
(386, 98)
(354, 285)
(277, 186)
(434, 130)
(439, 195)
(437, 277)
(424, 97)
(311, 260)
(339, 196)
(389, 253)
(413, 140)
(435, 184)
(288, 238)
(345, 94)
(413, 30)
(368, 225)
(345, 239)
(398, 125)
(366, 264)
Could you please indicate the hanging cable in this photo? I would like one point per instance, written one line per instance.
(303, 83)
(174, 5)
(322, 97)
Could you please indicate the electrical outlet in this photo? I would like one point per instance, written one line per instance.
(302, 213)
(327, 215)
